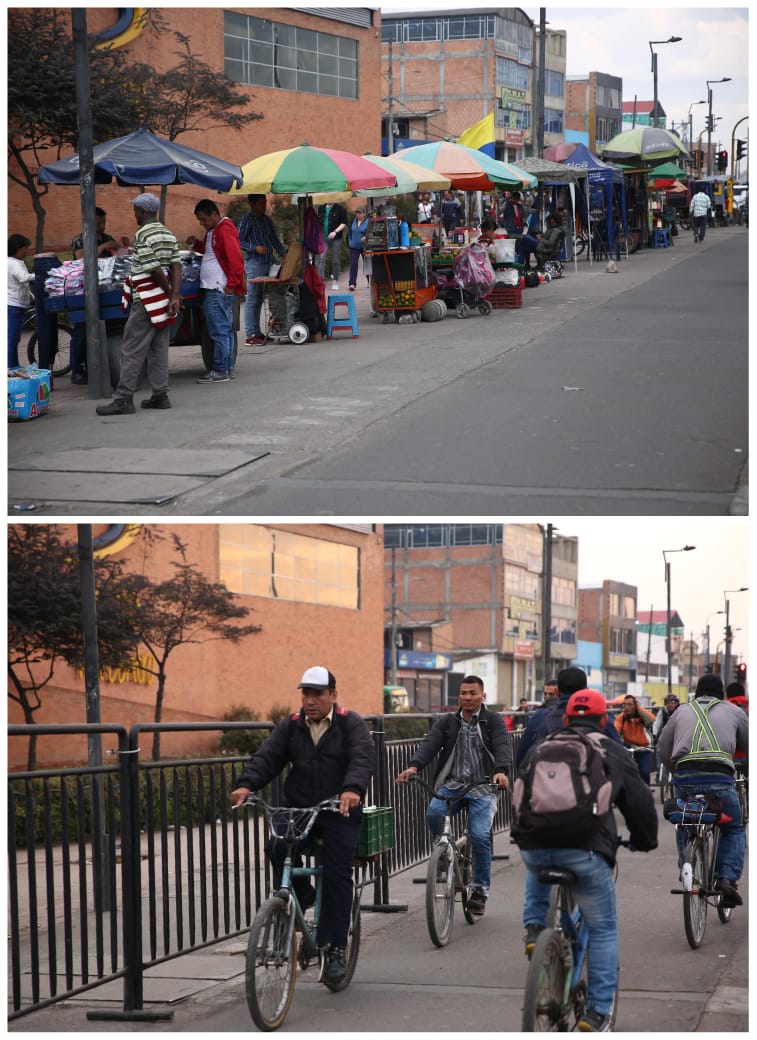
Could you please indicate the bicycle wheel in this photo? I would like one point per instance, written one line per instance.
(62, 358)
(694, 904)
(440, 894)
(466, 873)
(663, 777)
(544, 1007)
(271, 965)
(352, 950)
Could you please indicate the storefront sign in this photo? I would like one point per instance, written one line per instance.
(524, 650)
(511, 96)
(514, 137)
(416, 659)
(621, 661)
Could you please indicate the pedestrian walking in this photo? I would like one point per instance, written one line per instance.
(700, 209)
(356, 242)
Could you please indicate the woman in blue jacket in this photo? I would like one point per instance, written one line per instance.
(356, 242)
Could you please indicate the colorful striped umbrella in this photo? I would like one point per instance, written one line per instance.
(468, 168)
(307, 169)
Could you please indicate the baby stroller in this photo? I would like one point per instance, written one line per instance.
(471, 282)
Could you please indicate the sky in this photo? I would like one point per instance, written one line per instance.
(630, 549)
(714, 43)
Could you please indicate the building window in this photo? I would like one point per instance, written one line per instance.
(259, 561)
(563, 631)
(422, 30)
(607, 128)
(553, 120)
(554, 83)
(263, 53)
(564, 592)
(513, 74)
(430, 536)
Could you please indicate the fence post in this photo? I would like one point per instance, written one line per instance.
(132, 894)
(381, 902)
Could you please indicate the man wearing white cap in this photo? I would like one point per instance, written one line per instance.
(154, 306)
(331, 754)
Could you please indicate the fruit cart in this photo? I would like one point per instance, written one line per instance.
(402, 282)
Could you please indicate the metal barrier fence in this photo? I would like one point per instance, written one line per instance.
(116, 868)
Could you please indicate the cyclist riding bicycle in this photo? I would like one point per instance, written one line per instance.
(592, 861)
(632, 725)
(473, 742)
(698, 746)
(331, 753)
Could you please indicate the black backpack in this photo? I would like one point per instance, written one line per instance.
(531, 279)
(563, 790)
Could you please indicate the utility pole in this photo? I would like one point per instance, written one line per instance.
(100, 861)
(649, 643)
(539, 151)
(390, 111)
(393, 631)
(546, 639)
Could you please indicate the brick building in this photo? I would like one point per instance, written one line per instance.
(316, 590)
(313, 75)
(446, 70)
(467, 598)
(607, 615)
(593, 108)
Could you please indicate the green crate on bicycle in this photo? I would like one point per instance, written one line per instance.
(377, 830)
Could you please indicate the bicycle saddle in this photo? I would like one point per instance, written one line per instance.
(556, 876)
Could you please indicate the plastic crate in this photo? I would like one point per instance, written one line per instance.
(377, 830)
(508, 296)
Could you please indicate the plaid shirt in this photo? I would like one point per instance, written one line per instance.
(259, 231)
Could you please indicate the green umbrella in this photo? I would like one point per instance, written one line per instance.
(669, 169)
(648, 144)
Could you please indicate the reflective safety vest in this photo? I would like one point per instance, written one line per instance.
(703, 731)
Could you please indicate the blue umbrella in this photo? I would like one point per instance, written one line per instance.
(144, 158)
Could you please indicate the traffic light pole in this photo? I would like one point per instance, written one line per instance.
(728, 639)
(734, 156)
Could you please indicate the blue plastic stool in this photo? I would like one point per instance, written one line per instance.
(336, 321)
(661, 238)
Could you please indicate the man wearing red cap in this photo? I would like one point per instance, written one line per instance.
(331, 753)
(592, 860)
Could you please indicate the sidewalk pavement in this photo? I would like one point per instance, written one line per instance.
(404, 984)
(288, 404)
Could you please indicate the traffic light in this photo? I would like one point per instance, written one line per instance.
(739, 673)
(722, 161)
(740, 149)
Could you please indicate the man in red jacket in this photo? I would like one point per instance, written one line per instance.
(221, 278)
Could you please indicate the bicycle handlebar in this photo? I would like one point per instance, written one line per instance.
(448, 798)
(299, 819)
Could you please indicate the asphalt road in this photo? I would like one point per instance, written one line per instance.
(404, 984)
(605, 393)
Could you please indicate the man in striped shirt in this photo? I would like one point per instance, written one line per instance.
(260, 245)
(146, 336)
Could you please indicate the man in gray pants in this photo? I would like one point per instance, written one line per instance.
(154, 306)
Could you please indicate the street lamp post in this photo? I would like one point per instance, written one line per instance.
(725, 79)
(668, 646)
(673, 39)
(728, 633)
(707, 633)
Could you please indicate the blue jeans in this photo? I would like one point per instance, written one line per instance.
(254, 268)
(334, 249)
(525, 246)
(219, 316)
(730, 859)
(595, 894)
(15, 322)
(480, 817)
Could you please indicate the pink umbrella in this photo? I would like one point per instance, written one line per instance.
(560, 152)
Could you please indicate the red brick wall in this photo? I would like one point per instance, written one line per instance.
(204, 680)
(289, 119)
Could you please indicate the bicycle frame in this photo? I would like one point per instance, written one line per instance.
(565, 918)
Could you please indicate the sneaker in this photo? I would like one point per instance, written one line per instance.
(729, 891)
(232, 374)
(592, 1022)
(255, 341)
(336, 966)
(352, 288)
(118, 406)
(214, 377)
(157, 401)
(334, 286)
(529, 939)
(79, 379)
(477, 902)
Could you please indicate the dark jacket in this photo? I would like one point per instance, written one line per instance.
(548, 719)
(631, 795)
(442, 737)
(342, 760)
(337, 216)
